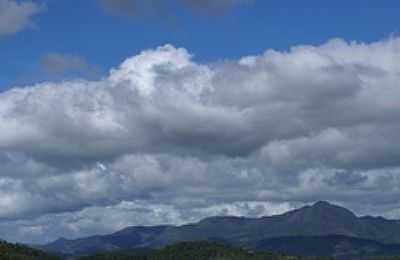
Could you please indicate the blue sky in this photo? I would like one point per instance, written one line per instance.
(104, 40)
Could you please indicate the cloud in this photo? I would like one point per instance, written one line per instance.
(212, 6)
(17, 16)
(130, 7)
(163, 9)
(68, 65)
(184, 140)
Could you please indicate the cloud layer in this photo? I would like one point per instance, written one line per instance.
(166, 139)
(16, 16)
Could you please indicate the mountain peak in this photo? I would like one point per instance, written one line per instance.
(323, 211)
(330, 208)
(323, 203)
(62, 239)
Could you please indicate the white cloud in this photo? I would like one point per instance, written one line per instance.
(249, 137)
(16, 16)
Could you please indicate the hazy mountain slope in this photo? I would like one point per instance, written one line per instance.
(126, 238)
(320, 219)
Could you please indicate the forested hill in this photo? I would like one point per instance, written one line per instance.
(10, 251)
(197, 251)
(200, 250)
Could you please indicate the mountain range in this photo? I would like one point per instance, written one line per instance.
(336, 230)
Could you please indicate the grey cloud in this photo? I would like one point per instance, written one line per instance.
(346, 178)
(160, 8)
(68, 65)
(213, 7)
(185, 140)
(132, 7)
(16, 16)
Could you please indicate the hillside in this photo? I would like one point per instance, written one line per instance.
(10, 251)
(198, 251)
(337, 246)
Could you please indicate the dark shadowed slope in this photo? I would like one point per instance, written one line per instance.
(340, 247)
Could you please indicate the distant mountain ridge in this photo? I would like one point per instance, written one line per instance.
(321, 219)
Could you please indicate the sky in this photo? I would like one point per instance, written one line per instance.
(126, 112)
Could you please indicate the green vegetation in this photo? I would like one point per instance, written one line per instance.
(385, 258)
(10, 251)
(182, 251)
(198, 251)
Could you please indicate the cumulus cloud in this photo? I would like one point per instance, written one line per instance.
(160, 8)
(185, 140)
(16, 16)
